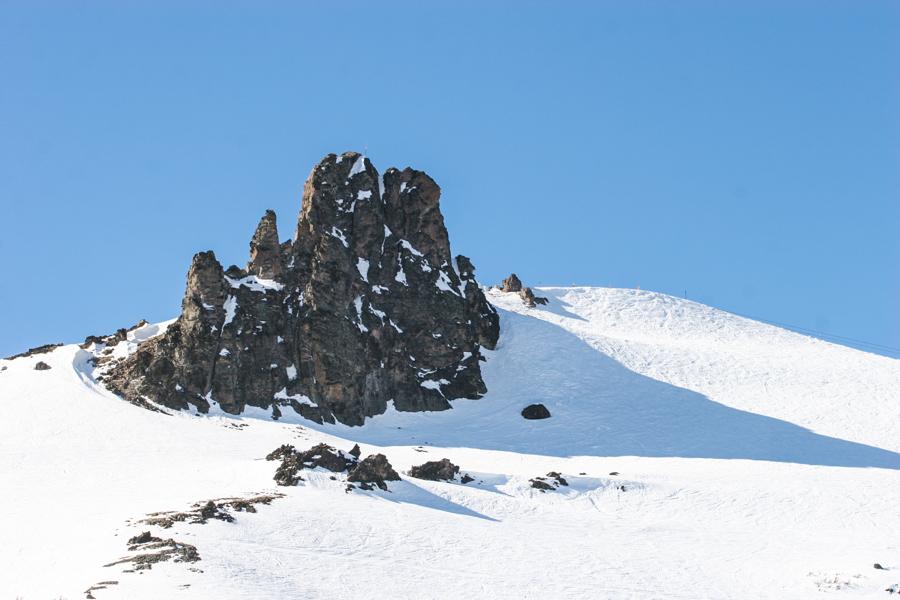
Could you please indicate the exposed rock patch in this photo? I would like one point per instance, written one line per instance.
(319, 456)
(33, 351)
(535, 411)
(551, 481)
(219, 509)
(155, 550)
(373, 470)
(120, 335)
(364, 305)
(436, 470)
(42, 366)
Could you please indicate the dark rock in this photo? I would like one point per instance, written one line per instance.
(879, 567)
(320, 455)
(374, 469)
(535, 411)
(511, 284)
(437, 470)
(551, 481)
(32, 351)
(542, 485)
(365, 304)
(466, 479)
(530, 299)
(143, 538)
(355, 451)
(281, 452)
(614, 473)
(559, 478)
(42, 366)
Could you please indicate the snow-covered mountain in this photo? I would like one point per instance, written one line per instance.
(706, 456)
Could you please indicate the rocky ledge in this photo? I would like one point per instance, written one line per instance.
(365, 306)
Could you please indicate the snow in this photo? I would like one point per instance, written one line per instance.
(444, 284)
(358, 303)
(254, 283)
(339, 234)
(410, 247)
(230, 307)
(358, 167)
(753, 463)
(291, 372)
(401, 275)
(299, 398)
(363, 195)
(362, 265)
(432, 384)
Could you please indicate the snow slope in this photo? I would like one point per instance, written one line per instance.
(753, 463)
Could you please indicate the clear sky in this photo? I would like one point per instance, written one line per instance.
(744, 153)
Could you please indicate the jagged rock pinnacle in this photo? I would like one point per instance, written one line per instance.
(265, 249)
(364, 307)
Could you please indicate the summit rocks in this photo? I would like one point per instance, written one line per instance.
(364, 306)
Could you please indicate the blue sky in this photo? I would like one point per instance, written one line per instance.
(747, 154)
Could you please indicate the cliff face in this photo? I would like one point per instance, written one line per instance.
(366, 305)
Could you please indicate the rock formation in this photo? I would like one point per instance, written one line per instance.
(513, 284)
(436, 470)
(363, 307)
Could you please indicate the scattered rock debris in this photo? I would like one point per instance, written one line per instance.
(219, 509)
(154, 550)
(101, 585)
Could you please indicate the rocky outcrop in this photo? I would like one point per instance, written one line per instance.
(373, 470)
(437, 470)
(33, 351)
(513, 284)
(365, 306)
(551, 481)
(41, 366)
(319, 456)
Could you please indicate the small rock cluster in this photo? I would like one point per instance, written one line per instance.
(374, 470)
(120, 335)
(550, 482)
(513, 284)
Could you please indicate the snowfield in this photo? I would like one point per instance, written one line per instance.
(749, 461)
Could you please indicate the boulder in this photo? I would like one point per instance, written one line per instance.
(42, 366)
(374, 469)
(535, 411)
(437, 470)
